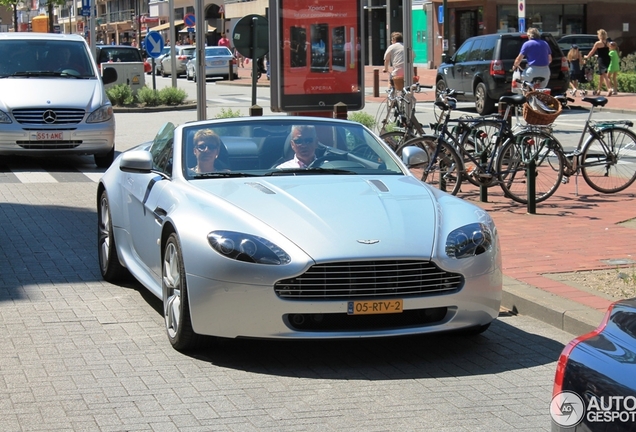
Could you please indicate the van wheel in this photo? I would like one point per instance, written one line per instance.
(104, 161)
(483, 104)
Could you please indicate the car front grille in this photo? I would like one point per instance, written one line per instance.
(48, 116)
(369, 279)
(49, 145)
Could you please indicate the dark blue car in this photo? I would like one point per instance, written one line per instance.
(595, 382)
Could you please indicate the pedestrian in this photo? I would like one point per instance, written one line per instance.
(575, 60)
(601, 49)
(239, 57)
(394, 56)
(224, 41)
(538, 54)
(614, 67)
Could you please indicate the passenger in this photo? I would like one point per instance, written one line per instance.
(304, 144)
(539, 56)
(207, 146)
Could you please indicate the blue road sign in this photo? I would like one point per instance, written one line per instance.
(153, 44)
(86, 7)
(189, 20)
(440, 14)
(522, 25)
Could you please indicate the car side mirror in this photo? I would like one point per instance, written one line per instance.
(414, 157)
(446, 58)
(109, 75)
(136, 161)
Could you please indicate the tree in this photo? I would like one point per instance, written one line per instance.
(14, 5)
(50, 7)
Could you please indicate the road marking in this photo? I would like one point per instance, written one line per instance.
(33, 176)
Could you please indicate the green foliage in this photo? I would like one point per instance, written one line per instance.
(172, 96)
(362, 117)
(228, 113)
(120, 94)
(148, 97)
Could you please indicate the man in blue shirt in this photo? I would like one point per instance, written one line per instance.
(539, 56)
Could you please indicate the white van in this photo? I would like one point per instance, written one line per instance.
(52, 98)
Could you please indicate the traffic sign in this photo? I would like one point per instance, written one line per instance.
(86, 7)
(189, 20)
(243, 36)
(153, 43)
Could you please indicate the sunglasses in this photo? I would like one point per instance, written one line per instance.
(205, 147)
(303, 141)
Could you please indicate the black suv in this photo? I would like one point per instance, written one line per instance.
(482, 68)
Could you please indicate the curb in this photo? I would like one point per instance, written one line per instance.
(567, 315)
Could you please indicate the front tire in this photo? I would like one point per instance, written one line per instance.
(445, 172)
(483, 104)
(176, 308)
(111, 269)
(104, 161)
(512, 164)
(613, 172)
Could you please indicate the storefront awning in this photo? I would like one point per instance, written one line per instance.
(185, 30)
(166, 26)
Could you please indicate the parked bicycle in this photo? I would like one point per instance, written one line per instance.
(605, 155)
(396, 118)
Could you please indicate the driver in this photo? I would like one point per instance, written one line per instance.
(304, 144)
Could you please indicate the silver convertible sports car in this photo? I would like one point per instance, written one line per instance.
(294, 228)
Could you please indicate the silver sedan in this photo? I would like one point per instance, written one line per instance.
(217, 64)
(294, 228)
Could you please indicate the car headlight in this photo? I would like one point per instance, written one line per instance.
(4, 117)
(469, 240)
(247, 247)
(101, 114)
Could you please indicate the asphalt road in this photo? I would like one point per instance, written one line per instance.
(81, 354)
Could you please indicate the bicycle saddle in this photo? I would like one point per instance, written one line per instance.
(595, 101)
(513, 99)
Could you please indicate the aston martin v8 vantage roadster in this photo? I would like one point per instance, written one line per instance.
(294, 228)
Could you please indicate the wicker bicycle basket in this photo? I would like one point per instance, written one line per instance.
(535, 117)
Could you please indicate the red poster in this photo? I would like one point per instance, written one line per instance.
(320, 54)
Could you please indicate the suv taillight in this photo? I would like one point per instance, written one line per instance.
(497, 68)
(564, 64)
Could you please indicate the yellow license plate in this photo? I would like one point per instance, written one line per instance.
(374, 307)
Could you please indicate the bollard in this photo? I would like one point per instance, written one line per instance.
(230, 76)
(256, 111)
(340, 111)
(376, 82)
(531, 178)
(483, 189)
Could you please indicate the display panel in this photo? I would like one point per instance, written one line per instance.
(318, 55)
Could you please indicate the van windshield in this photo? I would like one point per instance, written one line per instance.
(45, 58)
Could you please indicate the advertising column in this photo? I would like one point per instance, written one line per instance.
(316, 53)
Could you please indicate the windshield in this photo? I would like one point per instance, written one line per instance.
(44, 58)
(283, 148)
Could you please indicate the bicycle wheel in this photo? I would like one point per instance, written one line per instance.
(512, 164)
(396, 138)
(476, 142)
(445, 172)
(385, 116)
(610, 166)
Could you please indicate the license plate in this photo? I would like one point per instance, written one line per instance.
(49, 136)
(374, 307)
(217, 62)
